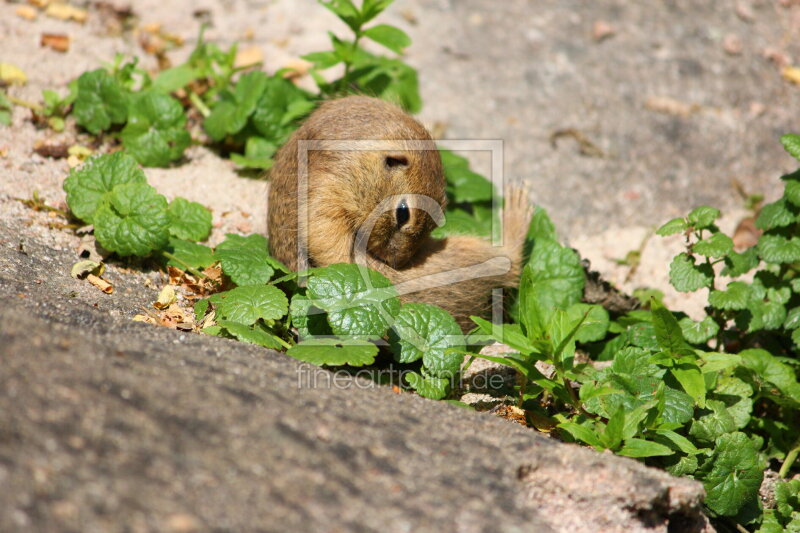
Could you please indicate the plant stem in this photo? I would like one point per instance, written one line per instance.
(183, 263)
(24, 103)
(348, 64)
(791, 457)
(198, 103)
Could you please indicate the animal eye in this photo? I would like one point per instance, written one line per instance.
(393, 161)
(401, 214)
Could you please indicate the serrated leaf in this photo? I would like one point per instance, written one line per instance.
(175, 78)
(541, 227)
(767, 315)
(459, 222)
(734, 297)
(308, 320)
(245, 259)
(686, 276)
(676, 225)
(644, 448)
(132, 220)
(88, 184)
(735, 474)
(698, 332)
(768, 368)
(792, 319)
(557, 275)
(791, 191)
(738, 398)
(359, 301)
(464, 185)
(427, 332)
(776, 215)
(691, 379)
(428, 387)
(775, 248)
(248, 304)
(791, 143)
(334, 352)
(392, 38)
(189, 253)
(717, 245)
(668, 332)
(737, 264)
(711, 425)
(189, 220)
(251, 334)
(156, 130)
(101, 101)
(702, 217)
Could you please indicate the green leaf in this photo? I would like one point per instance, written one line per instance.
(334, 352)
(427, 332)
(459, 222)
(541, 227)
(189, 220)
(791, 143)
(308, 320)
(87, 185)
(737, 264)
(776, 248)
(582, 434)
(323, 60)
(718, 421)
(359, 301)
(245, 259)
(644, 448)
(464, 185)
(686, 276)
(132, 220)
(776, 215)
(703, 217)
(735, 297)
(251, 334)
(738, 398)
(101, 101)
(594, 326)
(676, 225)
(691, 379)
(698, 332)
(392, 38)
(229, 115)
(429, 387)
(668, 332)
(156, 131)
(175, 78)
(372, 8)
(346, 11)
(717, 245)
(195, 255)
(678, 442)
(247, 304)
(792, 319)
(280, 105)
(557, 273)
(200, 308)
(735, 474)
(509, 334)
(768, 368)
(612, 436)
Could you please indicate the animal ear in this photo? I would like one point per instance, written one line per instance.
(393, 161)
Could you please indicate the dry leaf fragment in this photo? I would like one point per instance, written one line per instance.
(670, 106)
(11, 74)
(296, 68)
(57, 41)
(145, 318)
(100, 283)
(41, 4)
(746, 234)
(744, 11)
(247, 57)
(82, 269)
(166, 298)
(585, 146)
(777, 56)
(54, 151)
(27, 12)
(791, 74)
(62, 11)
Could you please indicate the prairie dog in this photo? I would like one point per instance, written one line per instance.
(378, 206)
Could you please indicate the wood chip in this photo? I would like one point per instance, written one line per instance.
(64, 11)
(100, 283)
(670, 106)
(296, 68)
(791, 74)
(247, 57)
(55, 151)
(732, 45)
(41, 4)
(744, 11)
(27, 12)
(57, 41)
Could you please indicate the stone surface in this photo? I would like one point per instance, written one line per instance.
(111, 425)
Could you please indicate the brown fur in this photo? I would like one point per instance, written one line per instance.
(344, 187)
